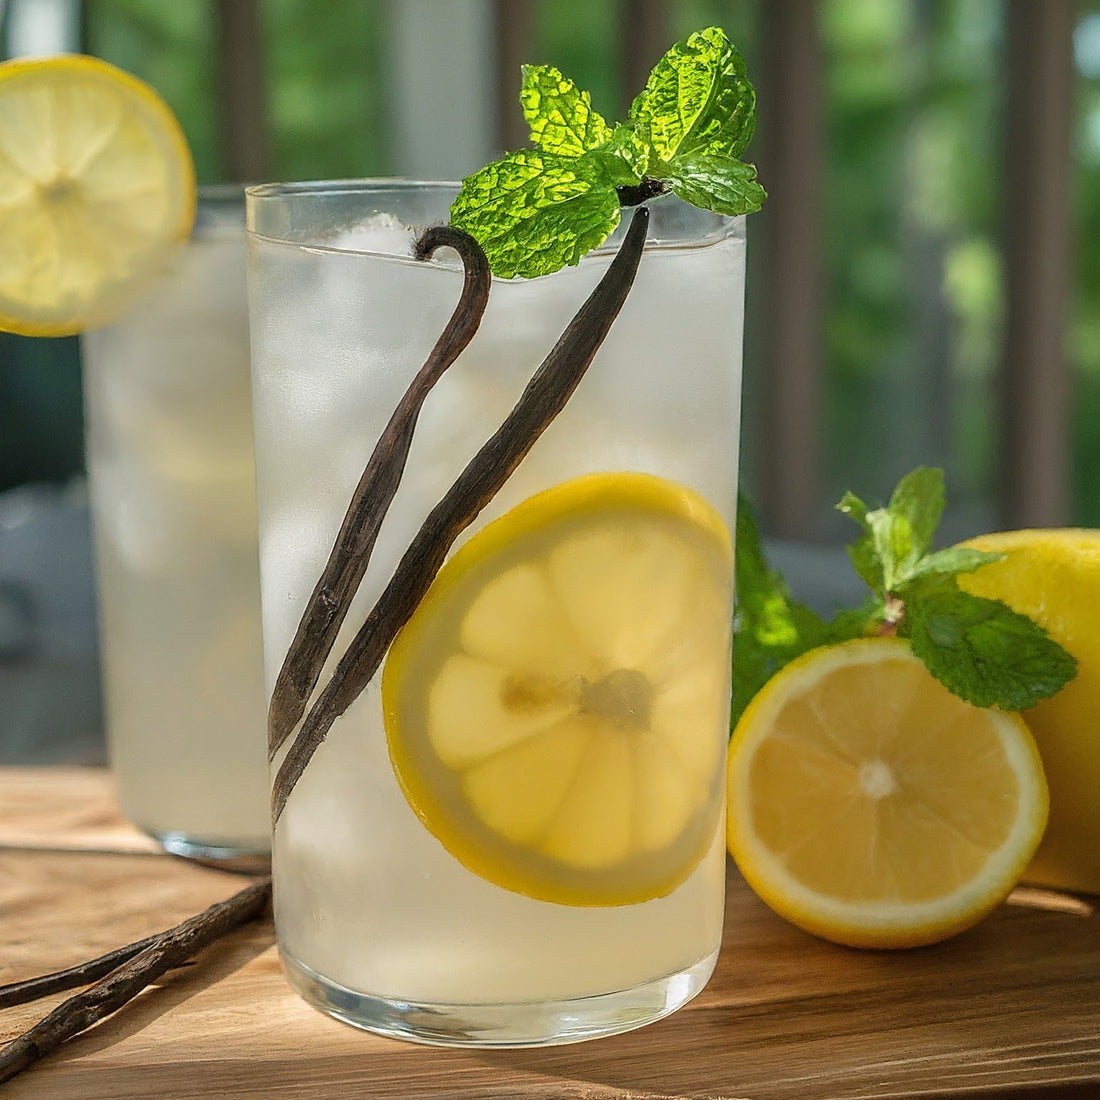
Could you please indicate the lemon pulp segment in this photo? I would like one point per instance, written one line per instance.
(556, 709)
(97, 186)
(871, 806)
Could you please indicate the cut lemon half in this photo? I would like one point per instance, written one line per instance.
(97, 186)
(557, 707)
(870, 806)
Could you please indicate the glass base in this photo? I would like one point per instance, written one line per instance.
(226, 857)
(522, 1024)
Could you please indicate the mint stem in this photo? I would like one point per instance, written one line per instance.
(637, 193)
(546, 395)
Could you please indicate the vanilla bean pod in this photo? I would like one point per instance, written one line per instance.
(32, 989)
(545, 396)
(169, 950)
(350, 555)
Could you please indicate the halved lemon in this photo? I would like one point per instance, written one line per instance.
(557, 708)
(870, 806)
(97, 187)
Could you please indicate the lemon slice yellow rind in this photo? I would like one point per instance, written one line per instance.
(548, 735)
(98, 189)
(872, 837)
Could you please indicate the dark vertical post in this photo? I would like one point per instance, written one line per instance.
(513, 20)
(787, 234)
(645, 37)
(239, 55)
(1033, 474)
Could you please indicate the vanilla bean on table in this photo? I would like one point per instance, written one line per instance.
(545, 396)
(32, 989)
(331, 597)
(168, 950)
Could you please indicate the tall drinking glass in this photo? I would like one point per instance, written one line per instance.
(514, 834)
(172, 482)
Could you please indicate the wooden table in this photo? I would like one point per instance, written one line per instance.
(1010, 1009)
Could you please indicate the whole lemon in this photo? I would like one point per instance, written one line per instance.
(1053, 577)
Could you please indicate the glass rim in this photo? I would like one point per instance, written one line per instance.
(707, 227)
(220, 192)
(365, 186)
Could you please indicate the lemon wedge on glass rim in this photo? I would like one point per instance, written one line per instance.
(870, 806)
(97, 187)
(557, 707)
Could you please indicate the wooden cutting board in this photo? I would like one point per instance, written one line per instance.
(1010, 1008)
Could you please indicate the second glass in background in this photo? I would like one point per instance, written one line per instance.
(171, 477)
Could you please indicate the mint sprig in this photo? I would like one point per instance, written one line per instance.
(537, 210)
(771, 628)
(979, 649)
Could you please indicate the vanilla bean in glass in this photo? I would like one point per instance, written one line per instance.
(378, 921)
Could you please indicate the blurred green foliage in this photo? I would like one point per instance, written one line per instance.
(912, 206)
(914, 303)
(1084, 327)
(171, 46)
(914, 222)
(324, 84)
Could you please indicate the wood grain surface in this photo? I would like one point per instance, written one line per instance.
(1010, 1008)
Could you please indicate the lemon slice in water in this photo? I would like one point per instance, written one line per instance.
(97, 187)
(557, 708)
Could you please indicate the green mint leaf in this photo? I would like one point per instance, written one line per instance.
(892, 539)
(771, 628)
(983, 651)
(866, 562)
(698, 99)
(628, 146)
(898, 537)
(862, 553)
(534, 213)
(949, 562)
(855, 622)
(559, 114)
(611, 167)
(919, 497)
(854, 508)
(716, 183)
